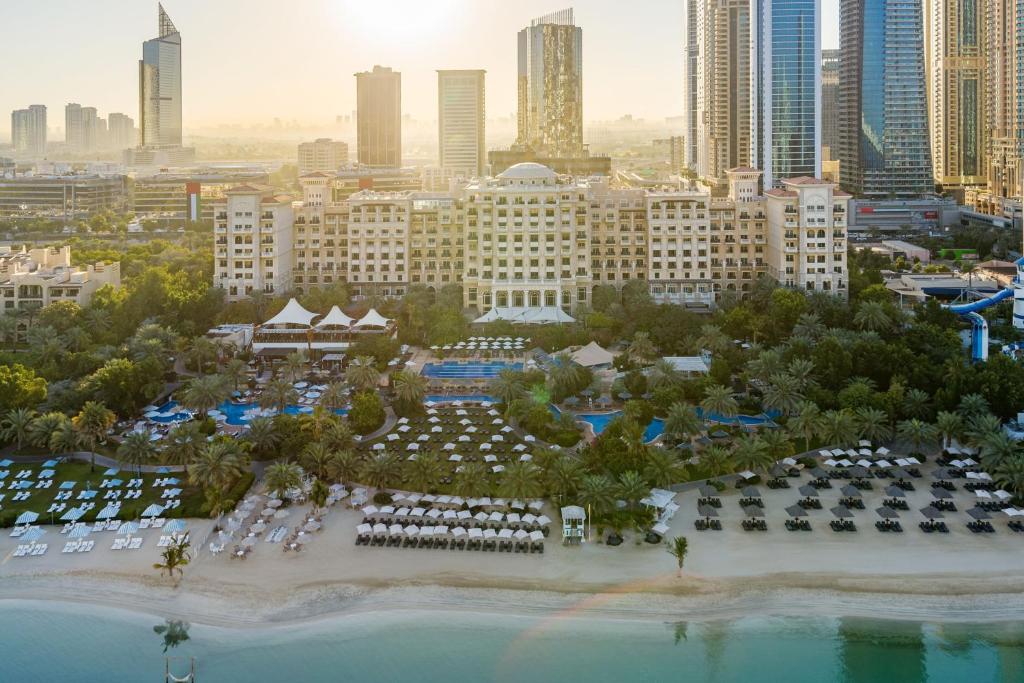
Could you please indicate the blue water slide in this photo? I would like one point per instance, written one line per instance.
(982, 304)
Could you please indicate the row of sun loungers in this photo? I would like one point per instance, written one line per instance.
(127, 543)
(491, 545)
(30, 550)
(78, 546)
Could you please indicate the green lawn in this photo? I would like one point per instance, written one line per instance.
(84, 478)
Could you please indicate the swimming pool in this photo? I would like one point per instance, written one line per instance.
(749, 420)
(235, 413)
(451, 398)
(599, 421)
(453, 370)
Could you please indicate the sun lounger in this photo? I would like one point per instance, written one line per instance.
(86, 546)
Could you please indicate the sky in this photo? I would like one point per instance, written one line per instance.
(249, 61)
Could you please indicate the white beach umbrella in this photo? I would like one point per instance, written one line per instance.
(536, 536)
(412, 530)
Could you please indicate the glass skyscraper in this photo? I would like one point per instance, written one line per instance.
(160, 87)
(883, 124)
(786, 84)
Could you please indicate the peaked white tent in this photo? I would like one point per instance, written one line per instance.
(592, 355)
(372, 319)
(535, 315)
(335, 318)
(292, 314)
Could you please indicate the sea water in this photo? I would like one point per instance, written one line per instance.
(69, 643)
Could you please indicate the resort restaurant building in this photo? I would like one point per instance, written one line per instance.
(323, 338)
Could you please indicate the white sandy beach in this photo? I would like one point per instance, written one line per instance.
(956, 576)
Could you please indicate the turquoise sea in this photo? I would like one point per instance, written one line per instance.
(70, 643)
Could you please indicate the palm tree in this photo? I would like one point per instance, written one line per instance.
(343, 466)
(521, 481)
(333, 396)
(563, 476)
(183, 444)
(662, 467)
(203, 394)
(915, 403)
(682, 423)
(802, 371)
(783, 394)
(93, 422)
(65, 439)
(778, 444)
(218, 463)
(9, 330)
(1010, 475)
(262, 435)
(278, 394)
(982, 427)
(176, 557)
(362, 375)
(916, 432)
(972, 405)
(999, 449)
(713, 339)
(664, 374)
(716, 461)
(678, 549)
(631, 487)
(471, 481)
(808, 326)
(598, 492)
(380, 469)
(315, 424)
(642, 348)
(424, 472)
(201, 349)
(565, 376)
(318, 493)
(136, 448)
(507, 387)
(751, 454)
(294, 366)
(872, 424)
(807, 422)
(838, 427)
(315, 459)
(42, 428)
(17, 423)
(338, 435)
(281, 477)
(719, 401)
(950, 426)
(235, 372)
(871, 316)
(410, 388)
(768, 363)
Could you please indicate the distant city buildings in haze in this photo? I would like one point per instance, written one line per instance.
(28, 131)
(379, 117)
(550, 86)
(461, 121)
(323, 154)
(883, 129)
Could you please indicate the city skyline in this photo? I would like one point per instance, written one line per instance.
(336, 40)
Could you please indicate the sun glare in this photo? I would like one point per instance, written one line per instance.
(396, 23)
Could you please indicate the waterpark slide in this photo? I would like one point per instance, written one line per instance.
(979, 328)
(982, 304)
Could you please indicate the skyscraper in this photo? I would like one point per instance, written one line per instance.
(1004, 98)
(830, 100)
(74, 136)
(550, 86)
(461, 121)
(883, 128)
(379, 117)
(160, 87)
(90, 129)
(955, 67)
(786, 89)
(121, 131)
(718, 88)
(691, 70)
(28, 130)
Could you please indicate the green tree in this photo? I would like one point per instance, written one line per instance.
(175, 558)
(410, 389)
(315, 459)
(282, 477)
(631, 487)
(203, 394)
(662, 468)
(871, 315)
(20, 387)
(93, 422)
(424, 473)
(263, 437)
(678, 549)
(716, 461)
(367, 413)
(278, 394)
(598, 492)
(236, 372)
(294, 366)
(751, 454)
(521, 481)
(16, 425)
(362, 375)
(471, 481)
(872, 424)
(916, 432)
(783, 394)
(682, 423)
(807, 422)
(949, 426)
(719, 401)
(136, 449)
(42, 428)
(838, 427)
(318, 494)
(183, 444)
(217, 465)
(642, 349)
(507, 387)
(381, 469)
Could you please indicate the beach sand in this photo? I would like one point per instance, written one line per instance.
(955, 576)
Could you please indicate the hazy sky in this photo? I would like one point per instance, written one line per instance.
(248, 61)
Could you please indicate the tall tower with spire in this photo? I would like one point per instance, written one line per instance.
(160, 87)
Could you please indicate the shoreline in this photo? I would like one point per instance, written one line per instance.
(981, 599)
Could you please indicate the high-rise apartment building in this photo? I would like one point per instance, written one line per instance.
(28, 131)
(692, 31)
(120, 131)
(786, 95)
(90, 124)
(883, 127)
(830, 101)
(550, 86)
(323, 154)
(1004, 101)
(160, 87)
(955, 68)
(253, 241)
(722, 86)
(461, 121)
(379, 117)
(74, 135)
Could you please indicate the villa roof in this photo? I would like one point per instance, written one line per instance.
(372, 319)
(335, 318)
(780, 193)
(573, 512)
(688, 363)
(292, 314)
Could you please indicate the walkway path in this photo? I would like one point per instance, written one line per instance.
(390, 420)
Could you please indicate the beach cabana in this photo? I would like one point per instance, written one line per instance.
(371, 319)
(574, 519)
(335, 318)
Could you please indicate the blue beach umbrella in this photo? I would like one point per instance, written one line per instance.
(27, 517)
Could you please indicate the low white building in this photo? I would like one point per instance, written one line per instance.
(39, 277)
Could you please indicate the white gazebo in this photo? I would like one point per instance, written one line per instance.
(574, 522)
(371, 319)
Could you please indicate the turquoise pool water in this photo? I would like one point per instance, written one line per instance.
(600, 420)
(235, 412)
(47, 642)
(450, 398)
(452, 370)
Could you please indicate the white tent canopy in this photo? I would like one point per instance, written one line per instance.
(591, 355)
(335, 318)
(292, 314)
(372, 319)
(534, 315)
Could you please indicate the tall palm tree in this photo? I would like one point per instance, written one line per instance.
(333, 396)
(664, 374)
(235, 372)
(783, 394)
(809, 326)
(16, 424)
(318, 494)
(678, 549)
(410, 388)
(424, 473)
(203, 394)
(42, 428)
(915, 431)
(338, 435)
(563, 476)
(316, 458)
(719, 400)
(949, 426)
(767, 364)
(175, 558)
(521, 480)
(598, 492)
(381, 469)
(65, 439)
(802, 371)
(136, 449)
(972, 405)
(662, 467)
(315, 424)
(778, 444)
(294, 366)
(716, 460)
(713, 339)
(872, 424)
(471, 481)
(682, 423)
(1010, 475)
(915, 403)
(217, 465)
(9, 330)
(806, 422)
(631, 487)
(838, 427)
(999, 449)
(278, 394)
(281, 477)
(183, 444)
(263, 436)
(200, 350)
(751, 454)
(642, 348)
(93, 422)
(982, 427)
(362, 374)
(343, 466)
(507, 387)
(871, 315)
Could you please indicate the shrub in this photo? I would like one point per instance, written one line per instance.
(382, 498)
